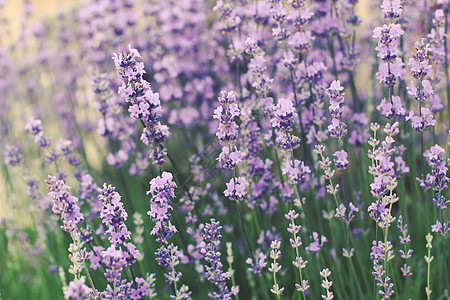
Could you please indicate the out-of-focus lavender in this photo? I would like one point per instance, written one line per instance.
(307, 140)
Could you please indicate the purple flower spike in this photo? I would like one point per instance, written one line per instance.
(113, 215)
(236, 188)
(77, 290)
(162, 189)
(144, 104)
(317, 244)
(64, 204)
(341, 160)
(213, 271)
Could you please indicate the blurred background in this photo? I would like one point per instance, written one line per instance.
(21, 19)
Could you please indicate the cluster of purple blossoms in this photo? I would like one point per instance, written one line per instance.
(113, 215)
(113, 124)
(301, 41)
(63, 150)
(120, 254)
(228, 133)
(261, 80)
(12, 155)
(325, 165)
(78, 290)
(393, 108)
(169, 257)
(326, 284)
(438, 180)
(297, 172)
(236, 188)
(88, 192)
(391, 66)
(251, 137)
(317, 243)
(279, 14)
(144, 104)
(275, 267)
(405, 253)
(341, 212)
(296, 242)
(228, 130)
(64, 204)
(437, 55)
(420, 70)
(385, 182)
(283, 120)
(382, 252)
(437, 37)
(34, 128)
(337, 129)
(230, 20)
(213, 272)
(258, 263)
(379, 212)
(162, 189)
(341, 160)
(382, 169)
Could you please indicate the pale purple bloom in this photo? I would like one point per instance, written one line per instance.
(317, 244)
(162, 189)
(78, 290)
(296, 173)
(236, 188)
(341, 161)
(258, 264)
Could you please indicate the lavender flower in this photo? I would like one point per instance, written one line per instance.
(228, 130)
(236, 189)
(144, 104)
(257, 264)
(405, 239)
(296, 173)
(161, 190)
(296, 242)
(438, 180)
(337, 128)
(12, 155)
(382, 252)
(78, 290)
(213, 271)
(420, 69)
(341, 212)
(275, 267)
(326, 284)
(317, 244)
(168, 256)
(64, 204)
(341, 161)
(391, 66)
(283, 119)
(113, 215)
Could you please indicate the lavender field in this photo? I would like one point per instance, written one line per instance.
(225, 149)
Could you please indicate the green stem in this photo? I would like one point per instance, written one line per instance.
(352, 266)
(89, 278)
(244, 231)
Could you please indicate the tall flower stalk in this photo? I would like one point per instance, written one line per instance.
(144, 105)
